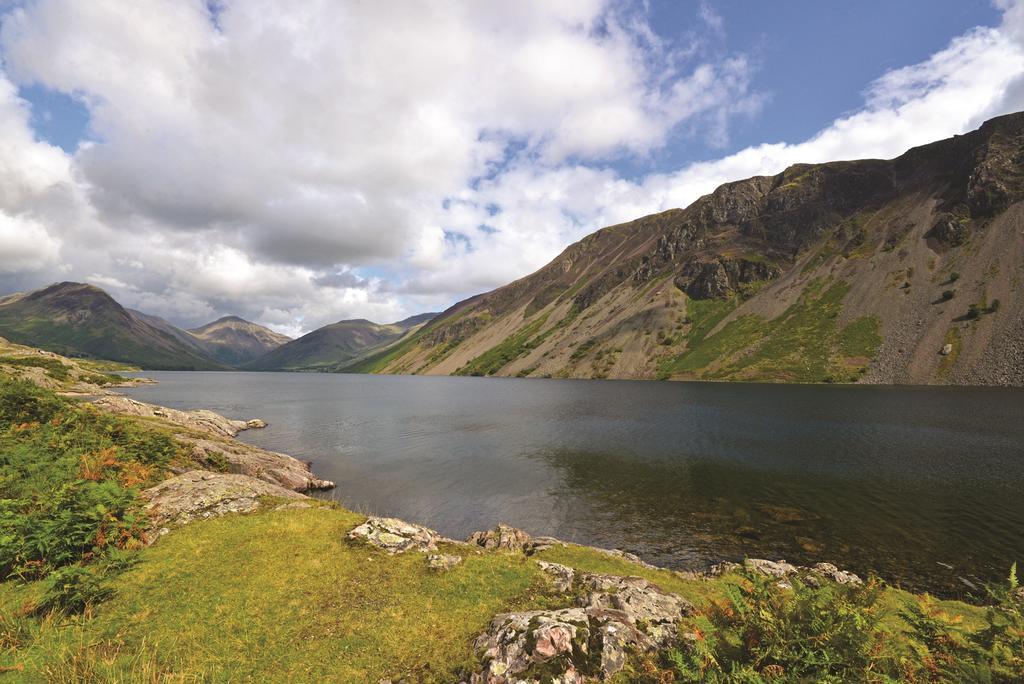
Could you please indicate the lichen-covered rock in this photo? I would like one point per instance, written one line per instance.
(199, 494)
(584, 643)
(201, 420)
(442, 562)
(237, 457)
(781, 570)
(395, 536)
(561, 576)
(502, 537)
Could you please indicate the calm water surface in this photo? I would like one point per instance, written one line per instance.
(900, 481)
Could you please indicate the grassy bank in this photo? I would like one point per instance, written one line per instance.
(281, 595)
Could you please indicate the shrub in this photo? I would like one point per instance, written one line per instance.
(948, 294)
(954, 276)
(72, 590)
(994, 306)
(975, 311)
(23, 402)
(766, 633)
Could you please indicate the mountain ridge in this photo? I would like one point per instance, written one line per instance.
(869, 270)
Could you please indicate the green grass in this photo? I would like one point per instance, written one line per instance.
(513, 347)
(801, 345)
(53, 367)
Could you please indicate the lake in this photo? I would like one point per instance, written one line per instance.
(921, 485)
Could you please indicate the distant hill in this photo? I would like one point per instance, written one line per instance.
(335, 347)
(887, 271)
(81, 320)
(235, 341)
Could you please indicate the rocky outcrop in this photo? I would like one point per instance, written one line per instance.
(590, 641)
(395, 536)
(442, 562)
(200, 420)
(269, 466)
(502, 537)
(198, 494)
(781, 569)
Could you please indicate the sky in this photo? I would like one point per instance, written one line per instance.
(306, 162)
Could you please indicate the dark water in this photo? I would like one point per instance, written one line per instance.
(892, 480)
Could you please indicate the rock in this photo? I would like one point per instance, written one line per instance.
(395, 536)
(255, 424)
(833, 573)
(201, 420)
(618, 615)
(946, 350)
(781, 569)
(244, 459)
(770, 568)
(198, 494)
(442, 562)
(502, 537)
(561, 576)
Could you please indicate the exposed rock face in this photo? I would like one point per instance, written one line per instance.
(781, 569)
(561, 576)
(198, 495)
(442, 562)
(395, 536)
(502, 537)
(582, 643)
(270, 466)
(202, 420)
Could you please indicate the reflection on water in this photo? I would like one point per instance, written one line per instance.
(897, 481)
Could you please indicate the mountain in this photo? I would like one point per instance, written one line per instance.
(235, 341)
(337, 346)
(75, 319)
(887, 271)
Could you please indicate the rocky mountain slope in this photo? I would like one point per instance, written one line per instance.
(235, 341)
(888, 271)
(75, 319)
(335, 347)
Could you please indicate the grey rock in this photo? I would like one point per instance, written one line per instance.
(502, 537)
(198, 494)
(442, 562)
(244, 459)
(395, 536)
(618, 615)
(201, 420)
(946, 350)
(561, 576)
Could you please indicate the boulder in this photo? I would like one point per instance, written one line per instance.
(946, 350)
(781, 570)
(582, 643)
(237, 457)
(442, 562)
(395, 536)
(199, 494)
(560, 575)
(200, 420)
(502, 537)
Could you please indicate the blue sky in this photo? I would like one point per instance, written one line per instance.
(303, 163)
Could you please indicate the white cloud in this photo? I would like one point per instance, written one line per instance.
(267, 163)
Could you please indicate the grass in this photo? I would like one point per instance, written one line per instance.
(53, 367)
(801, 345)
(947, 362)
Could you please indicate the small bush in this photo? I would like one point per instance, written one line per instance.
(948, 294)
(71, 590)
(994, 306)
(954, 276)
(974, 311)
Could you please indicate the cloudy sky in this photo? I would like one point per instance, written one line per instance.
(302, 162)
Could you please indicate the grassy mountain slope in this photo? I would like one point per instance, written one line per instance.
(334, 347)
(74, 319)
(235, 341)
(895, 271)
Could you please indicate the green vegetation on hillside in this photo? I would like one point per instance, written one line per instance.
(803, 344)
(513, 347)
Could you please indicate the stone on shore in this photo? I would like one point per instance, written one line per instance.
(502, 537)
(201, 420)
(198, 494)
(244, 459)
(395, 536)
(781, 570)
